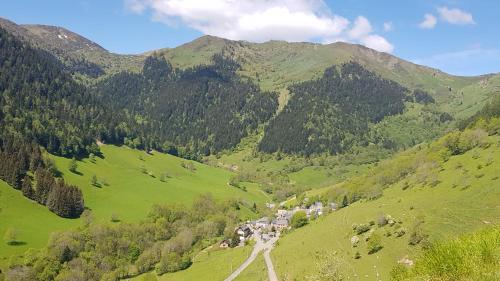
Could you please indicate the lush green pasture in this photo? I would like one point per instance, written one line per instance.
(448, 209)
(124, 191)
(33, 222)
(130, 182)
(214, 264)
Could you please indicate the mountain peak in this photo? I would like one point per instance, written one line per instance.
(63, 38)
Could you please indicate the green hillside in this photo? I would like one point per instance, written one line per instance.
(435, 202)
(129, 183)
(32, 222)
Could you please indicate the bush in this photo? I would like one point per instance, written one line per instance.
(382, 220)
(400, 232)
(357, 255)
(374, 244)
(417, 235)
(73, 165)
(10, 236)
(362, 228)
(299, 219)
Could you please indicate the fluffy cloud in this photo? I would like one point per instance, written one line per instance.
(429, 21)
(377, 42)
(261, 20)
(455, 16)
(452, 16)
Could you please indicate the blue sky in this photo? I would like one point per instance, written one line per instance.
(457, 36)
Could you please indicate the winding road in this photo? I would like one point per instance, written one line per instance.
(270, 268)
(260, 245)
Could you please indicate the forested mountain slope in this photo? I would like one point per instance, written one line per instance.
(192, 112)
(276, 66)
(333, 113)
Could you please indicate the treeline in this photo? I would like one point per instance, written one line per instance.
(19, 161)
(333, 113)
(165, 242)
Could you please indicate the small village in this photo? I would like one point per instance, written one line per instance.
(267, 228)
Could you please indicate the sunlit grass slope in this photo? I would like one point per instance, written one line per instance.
(465, 199)
(129, 183)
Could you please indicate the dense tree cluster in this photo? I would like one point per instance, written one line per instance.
(84, 67)
(333, 113)
(18, 161)
(41, 103)
(165, 242)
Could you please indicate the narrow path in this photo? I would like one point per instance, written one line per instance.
(270, 268)
(259, 246)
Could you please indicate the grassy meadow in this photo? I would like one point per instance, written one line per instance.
(129, 182)
(454, 206)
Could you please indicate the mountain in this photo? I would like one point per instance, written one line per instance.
(288, 69)
(79, 55)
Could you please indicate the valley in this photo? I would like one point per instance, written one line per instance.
(144, 167)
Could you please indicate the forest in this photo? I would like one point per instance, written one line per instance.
(333, 113)
(191, 113)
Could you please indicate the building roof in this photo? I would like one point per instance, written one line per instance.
(263, 220)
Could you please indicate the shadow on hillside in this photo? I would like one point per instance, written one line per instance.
(77, 173)
(16, 243)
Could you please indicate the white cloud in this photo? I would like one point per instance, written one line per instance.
(377, 42)
(388, 26)
(455, 16)
(258, 20)
(429, 22)
(362, 28)
(361, 32)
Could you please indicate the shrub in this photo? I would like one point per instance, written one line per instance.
(73, 165)
(357, 255)
(10, 236)
(374, 244)
(299, 219)
(417, 235)
(362, 228)
(400, 232)
(382, 220)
